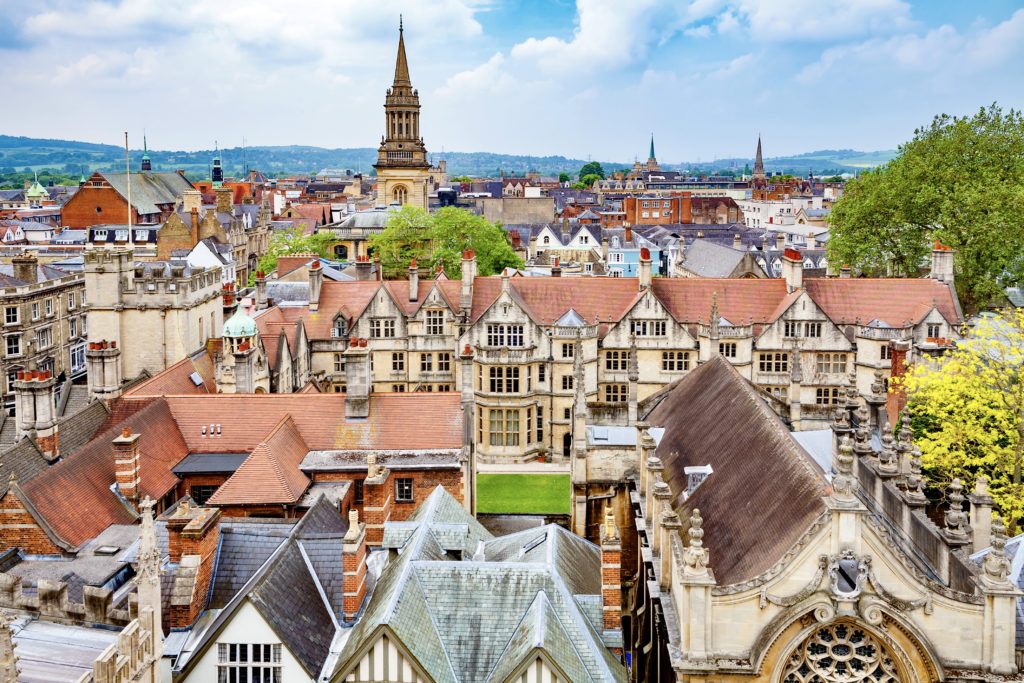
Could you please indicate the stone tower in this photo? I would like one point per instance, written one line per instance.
(403, 171)
(758, 162)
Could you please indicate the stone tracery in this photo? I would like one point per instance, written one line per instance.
(840, 653)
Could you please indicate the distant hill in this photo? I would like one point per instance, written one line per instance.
(73, 158)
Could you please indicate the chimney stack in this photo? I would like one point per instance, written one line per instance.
(25, 267)
(191, 200)
(629, 233)
(103, 362)
(261, 290)
(737, 241)
(645, 270)
(780, 241)
(792, 270)
(35, 410)
(468, 276)
(353, 559)
(896, 399)
(845, 271)
(611, 570)
(316, 282)
(126, 465)
(357, 380)
(364, 269)
(556, 270)
(225, 199)
(414, 282)
(192, 541)
(942, 263)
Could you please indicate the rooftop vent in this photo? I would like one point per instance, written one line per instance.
(196, 378)
(695, 475)
(106, 550)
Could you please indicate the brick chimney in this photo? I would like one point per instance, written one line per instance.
(792, 270)
(896, 399)
(644, 270)
(192, 540)
(194, 225)
(468, 275)
(611, 570)
(629, 233)
(126, 465)
(414, 282)
(378, 499)
(225, 199)
(25, 267)
(353, 559)
(316, 282)
(35, 410)
(556, 270)
(364, 269)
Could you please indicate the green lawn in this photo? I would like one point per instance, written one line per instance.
(523, 493)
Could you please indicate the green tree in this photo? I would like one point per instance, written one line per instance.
(461, 179)
(967, 412)
(959, 181)
(294, 242)
(834, 179)
(589, 179)
(592, 167)
(564, 177)
(439, 240)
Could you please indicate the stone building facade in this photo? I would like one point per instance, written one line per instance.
(517, 348)
(145, 316)
(44, 321)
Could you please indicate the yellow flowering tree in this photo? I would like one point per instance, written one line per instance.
(967, 412)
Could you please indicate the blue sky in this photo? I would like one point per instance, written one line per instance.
(579, 78)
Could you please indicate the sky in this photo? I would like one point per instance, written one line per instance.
(585, 79)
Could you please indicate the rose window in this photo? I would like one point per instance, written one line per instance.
(840, 653)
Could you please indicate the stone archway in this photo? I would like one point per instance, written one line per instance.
(840, 652)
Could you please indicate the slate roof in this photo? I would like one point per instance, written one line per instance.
(150, 188)
(760, 473)
(708, 259)
(283, 585)
(478, 619)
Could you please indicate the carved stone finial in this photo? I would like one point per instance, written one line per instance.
(844, 484)
(610, 532)
(981, 485)
(353, 526)
(915, 480)
(863, 432)
(956, 518)
(878, 387)
(149, 551)
(371, 466)
(696, 556)
(887, 456)
(996, 564)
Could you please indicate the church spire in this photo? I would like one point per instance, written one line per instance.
(652, 146)
(758, 162)
(401, 65)
(146, 163)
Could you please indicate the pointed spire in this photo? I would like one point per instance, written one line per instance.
(652, 145)
(758, 162)
(401, 65)
(146, 164)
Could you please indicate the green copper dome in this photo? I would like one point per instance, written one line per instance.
(239, 325)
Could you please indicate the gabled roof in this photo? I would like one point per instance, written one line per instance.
(74, 496)
(708, 259)
(476, 619)
(178, 378)
(739, 300)
(897, 302)
(271, 472)
(149, 188)
(765, 490)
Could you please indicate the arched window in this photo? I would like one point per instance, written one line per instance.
(840, 652)
(547, 240)
(400, 194)
(341, 252)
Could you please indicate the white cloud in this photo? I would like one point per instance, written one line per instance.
(736, 66)
(702, 31)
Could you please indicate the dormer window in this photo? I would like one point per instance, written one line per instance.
(340, 327)
(695, 475)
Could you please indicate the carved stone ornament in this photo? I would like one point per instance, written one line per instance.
(844, 484)
(915, 480)
(878, 388)
(695, 556)
(996, 564)
(887, 456)
(956, 518)
(846, 573)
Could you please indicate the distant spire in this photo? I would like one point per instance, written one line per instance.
(758, 162)
(652, 146)
(401, 65)
(146, 164)
(217, 173)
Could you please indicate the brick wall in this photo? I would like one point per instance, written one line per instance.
(19, 529)
(81, 210)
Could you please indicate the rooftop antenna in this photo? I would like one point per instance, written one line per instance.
(128, 174)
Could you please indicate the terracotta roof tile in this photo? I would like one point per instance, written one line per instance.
(74, 496)
(739, 300)
(894, 301)
(177, 378)
(396, 421)
(271, 472)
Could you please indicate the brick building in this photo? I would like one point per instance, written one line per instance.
(104, 199)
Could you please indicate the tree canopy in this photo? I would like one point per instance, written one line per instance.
(589, 179)
(967, 411)
(959, 181)
(564, 177)
(439, 240)
(592, 167)
(294, 242)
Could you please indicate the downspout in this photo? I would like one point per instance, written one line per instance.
(163, 334)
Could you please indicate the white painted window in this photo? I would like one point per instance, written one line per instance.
(245, 662)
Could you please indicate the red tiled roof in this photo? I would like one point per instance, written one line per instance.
(396, 421)
(892, 300)
(74, 496)
(350, 298)
(177, 379)
(739, 300)
(400, 291)
(271, 472)
(272, 322)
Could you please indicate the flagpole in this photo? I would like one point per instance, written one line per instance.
(128, 175)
